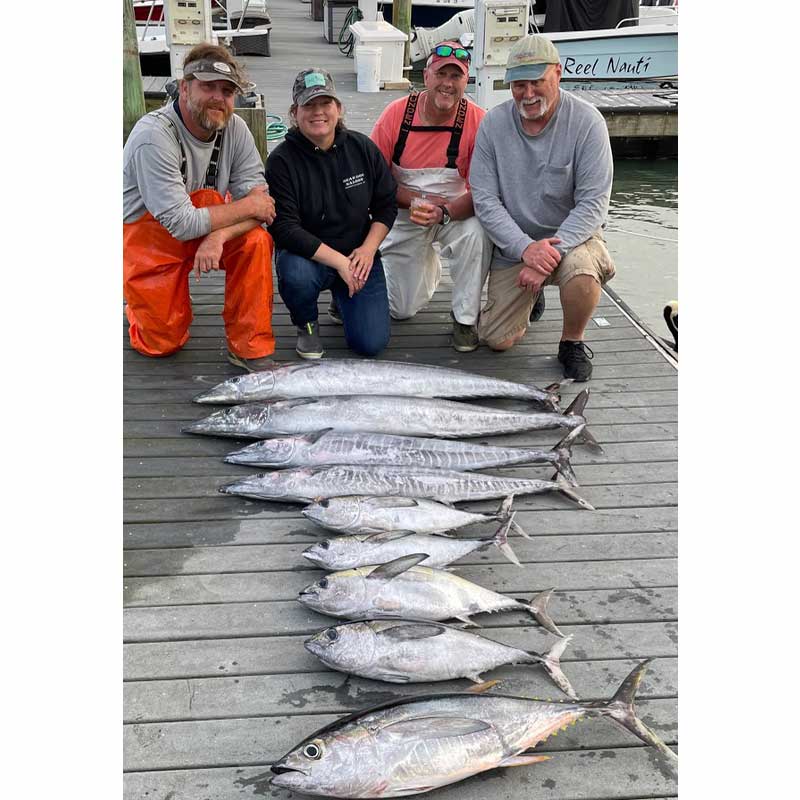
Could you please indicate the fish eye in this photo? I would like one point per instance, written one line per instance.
(325, 545)
(325, 503)
(312, 750)
(323, 584)
(332, 634)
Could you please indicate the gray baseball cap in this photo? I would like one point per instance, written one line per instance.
(529, 58)
(207, 69)
(313, 82)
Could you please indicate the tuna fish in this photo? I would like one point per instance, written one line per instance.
(405, 416)
(409, 651)
(403, 589)
(307, 484)
(328, 447)
(348, 552)
(342, 376)
(416, 744)
(364, 515)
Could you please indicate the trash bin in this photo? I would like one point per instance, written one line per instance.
(390, 41)
(368, 78)
(334, 16)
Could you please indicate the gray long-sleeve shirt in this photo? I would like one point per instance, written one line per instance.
(556, 183)
(151, 175)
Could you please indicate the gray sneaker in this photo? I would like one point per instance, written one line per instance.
(309, 345)
(334, 313)
(252, 364)
(465, 337)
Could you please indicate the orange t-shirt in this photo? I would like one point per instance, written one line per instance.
(425, 148)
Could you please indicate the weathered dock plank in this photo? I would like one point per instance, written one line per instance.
(217, 681)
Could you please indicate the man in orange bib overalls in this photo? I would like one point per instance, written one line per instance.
(180, 163)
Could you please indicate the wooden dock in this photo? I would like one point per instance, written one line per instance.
(217, 682)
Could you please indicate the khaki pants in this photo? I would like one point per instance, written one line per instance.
(508, 307)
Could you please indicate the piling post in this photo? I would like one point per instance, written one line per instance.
(401, 19)
(132, 93)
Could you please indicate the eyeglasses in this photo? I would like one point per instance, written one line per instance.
(445, 50)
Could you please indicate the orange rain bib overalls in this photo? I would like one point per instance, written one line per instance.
(156, 268)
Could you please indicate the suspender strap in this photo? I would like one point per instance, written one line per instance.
(210, 181)
(163, 116)
(211, 173)
(405, 127)
(456, 130)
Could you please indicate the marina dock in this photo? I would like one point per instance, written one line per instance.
(218, 685)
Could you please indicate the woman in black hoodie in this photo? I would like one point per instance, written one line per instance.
(335, 201)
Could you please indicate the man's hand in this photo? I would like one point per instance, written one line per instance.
(263, 206)
(530, 280)
(541, 256)
(208, 254)
(425, 211)
(361, 263)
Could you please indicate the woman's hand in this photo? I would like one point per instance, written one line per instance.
(361, 263)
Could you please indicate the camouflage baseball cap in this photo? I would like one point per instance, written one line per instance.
(313, 82)
(529, 58)
(208, 69)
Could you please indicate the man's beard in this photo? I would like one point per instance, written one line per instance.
(542, 107)
(200, 116)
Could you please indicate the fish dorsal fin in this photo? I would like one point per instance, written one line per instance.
(391, 569)
(391, 502)
(414, 630)
(290, 368)
(480, 688)
(437, 727)
(386, 536)
(315, 436)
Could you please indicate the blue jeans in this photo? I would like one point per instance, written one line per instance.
(365, 315)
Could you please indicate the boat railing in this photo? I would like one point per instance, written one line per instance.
(669, 15)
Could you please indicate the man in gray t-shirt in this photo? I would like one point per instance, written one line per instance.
(541, 180)
(194, 198)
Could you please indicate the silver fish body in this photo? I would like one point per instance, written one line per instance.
(400, 588)
(307, 484)
(340, 376)
(410, 746)
(348, 552)
(329, 448)
(410, 651)
(363, 515)
(405, 416)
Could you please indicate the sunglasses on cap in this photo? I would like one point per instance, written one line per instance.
(445, 50)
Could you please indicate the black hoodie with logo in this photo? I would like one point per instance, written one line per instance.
(328, 196)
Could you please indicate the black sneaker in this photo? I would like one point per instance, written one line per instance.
(252, 364)
(465, 337)
(309, 345)
(333, 312)
(575, 356)
(538, 307)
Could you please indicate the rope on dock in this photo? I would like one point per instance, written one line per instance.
(643, 235)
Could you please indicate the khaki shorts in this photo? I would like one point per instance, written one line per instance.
(508, 307)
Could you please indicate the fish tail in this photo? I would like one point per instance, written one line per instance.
(500, 541)
(552, 665)
(566, 489)
(576, 409)
(552, 396)
(504, 513)
(538, 607)
(563, 453)
(621, 709)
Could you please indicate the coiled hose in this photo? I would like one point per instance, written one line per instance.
(346, 39)
(276, 129)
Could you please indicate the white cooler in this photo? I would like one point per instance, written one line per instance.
(391, 41)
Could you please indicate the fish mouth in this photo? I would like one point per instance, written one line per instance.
(213, 396)
(282, 769)
(309, 591)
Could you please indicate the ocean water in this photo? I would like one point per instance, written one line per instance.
(642, 236)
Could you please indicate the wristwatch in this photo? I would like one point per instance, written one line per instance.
(445, 215)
